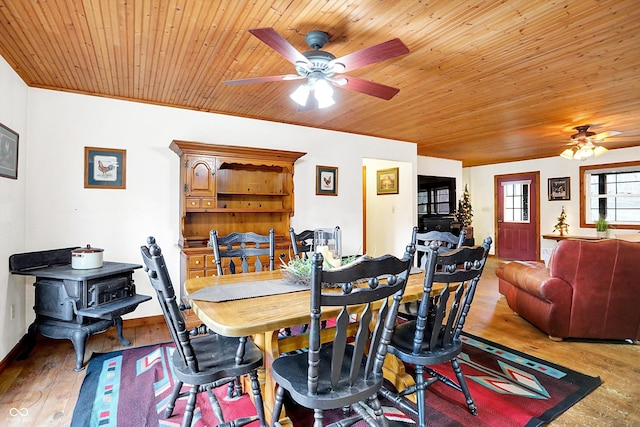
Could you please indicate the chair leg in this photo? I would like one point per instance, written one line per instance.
(215, 405)
(463, 385)
(191, 405)
(374, 403)
(398, 401)
(257, 397)
(277, 406)
(172, 399)
(318, 418)
(420, 396)
(235, 388)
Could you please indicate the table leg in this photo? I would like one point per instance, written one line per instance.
(394, 371)
(268, 343)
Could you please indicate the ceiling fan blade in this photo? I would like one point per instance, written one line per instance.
(372, 54)
(278, 43)
(264, 79)
(607, 134)
(369, 88)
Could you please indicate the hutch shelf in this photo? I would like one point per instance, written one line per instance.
(231, 188)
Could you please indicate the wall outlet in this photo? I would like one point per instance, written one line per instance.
(12, 311)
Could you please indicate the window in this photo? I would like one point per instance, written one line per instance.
(436, 195)
(434, 201)
(610, 191)
(516, 201)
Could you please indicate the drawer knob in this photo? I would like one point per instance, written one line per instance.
(197, 261)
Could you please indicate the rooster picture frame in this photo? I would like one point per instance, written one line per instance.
(105, 168)
(326, 181)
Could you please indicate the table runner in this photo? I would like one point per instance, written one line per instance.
(235, 291)
(259, 288)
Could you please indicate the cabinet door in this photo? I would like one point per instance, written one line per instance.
(201, 179)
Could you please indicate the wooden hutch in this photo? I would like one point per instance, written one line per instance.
(230, 188)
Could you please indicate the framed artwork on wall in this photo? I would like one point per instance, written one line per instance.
(105, 168)
(559, 189)
(387, 181)
(326, 181)
(8, 153)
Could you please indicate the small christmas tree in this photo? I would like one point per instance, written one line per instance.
(562, 225)
(464, 214)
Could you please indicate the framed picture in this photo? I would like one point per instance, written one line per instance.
(387, 181)
(105, 168)
(559, 189)
(326, 181)
(8, 153)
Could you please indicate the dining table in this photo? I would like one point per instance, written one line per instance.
(239, 305)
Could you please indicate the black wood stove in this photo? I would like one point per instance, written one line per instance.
(74, 304)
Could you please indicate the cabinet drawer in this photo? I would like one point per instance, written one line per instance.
(208, 203)
(196, 262)
(200, 203)
(210, 261)
(196, 274)
(193, 203)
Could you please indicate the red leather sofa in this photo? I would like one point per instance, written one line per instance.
(590, 290)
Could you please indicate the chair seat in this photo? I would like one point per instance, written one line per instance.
(401, 346)
(291, 373)
(216, 359)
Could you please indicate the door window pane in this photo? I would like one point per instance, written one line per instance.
(516, 202)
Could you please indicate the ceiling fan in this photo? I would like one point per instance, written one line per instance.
(323, 70)
(584, 143)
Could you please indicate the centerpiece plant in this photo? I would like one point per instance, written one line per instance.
(298, 270)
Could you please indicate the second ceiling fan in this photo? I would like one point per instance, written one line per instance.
(323, 70)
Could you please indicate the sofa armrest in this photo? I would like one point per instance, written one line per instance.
(533, 278)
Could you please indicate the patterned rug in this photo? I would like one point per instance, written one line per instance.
(131, 388)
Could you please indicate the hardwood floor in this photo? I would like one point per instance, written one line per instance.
(46, 386)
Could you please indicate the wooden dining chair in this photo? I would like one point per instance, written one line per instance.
(444, 241)
(242, 253)
(347, 372)
(434, 336)
(301, 243)
(242, 250)
(203, 362)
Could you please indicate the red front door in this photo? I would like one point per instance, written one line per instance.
(517, 216)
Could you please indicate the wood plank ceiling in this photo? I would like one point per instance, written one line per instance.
(485, 81)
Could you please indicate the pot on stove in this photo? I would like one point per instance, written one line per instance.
(86, 258)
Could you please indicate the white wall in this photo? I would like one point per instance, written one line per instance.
(13, 114)
(61, 212)
(442, 167)
(390, 217)
(480, 180)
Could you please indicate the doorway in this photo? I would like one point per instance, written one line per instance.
(517, 216)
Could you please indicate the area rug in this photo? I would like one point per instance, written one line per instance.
(130, 388)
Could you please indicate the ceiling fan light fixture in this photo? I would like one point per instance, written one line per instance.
(584, 144)
(567, 154)
(301, 95)
(599, 150)
(323, 93)
(583, 153)
(324, 102)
